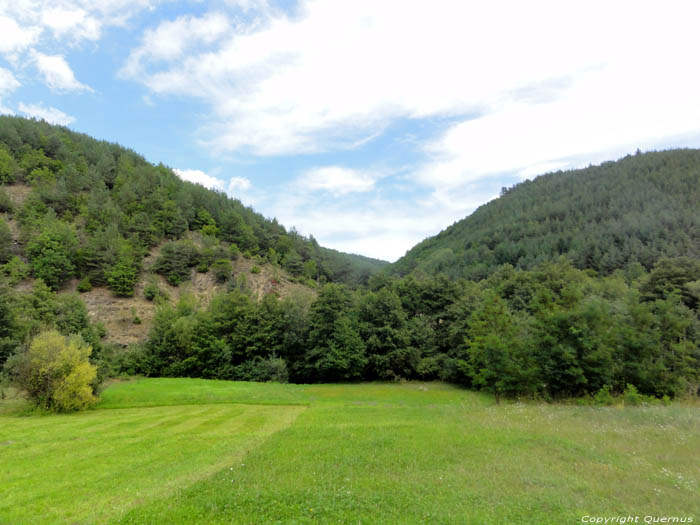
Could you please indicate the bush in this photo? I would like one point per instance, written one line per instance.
(51, 253)
(55, 372)
(5, 242)
(153, 292)
(632, 397)
(255, 269)
(263, 370)
(122, 277)
(175, 261)
(221, 270)
(603, 397)
(16, 270)
(84, 285)
(6, 205)
(8, 167)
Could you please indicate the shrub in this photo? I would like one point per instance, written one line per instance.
(153, 292)
(8, 166)
(255, 269)
(221, 270)
(234, 252)
(55, 372)
(16, 270)
(136, 359)
(263, 370)
(5, 242)
(603, 397)
(84, 285)
(175, 261)
(6, 205)
(51, 253)
(631, 396)
(122, 277)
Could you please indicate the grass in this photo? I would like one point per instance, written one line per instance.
(217, 452)
(174, 391)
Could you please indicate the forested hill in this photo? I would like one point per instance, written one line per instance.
(104, 206)
(637, 209)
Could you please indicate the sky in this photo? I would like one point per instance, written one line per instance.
(368, 124)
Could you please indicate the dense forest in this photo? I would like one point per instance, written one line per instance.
(584, 283)
(96, 209)
(638, 209)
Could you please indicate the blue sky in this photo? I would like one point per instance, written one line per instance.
(370, 125)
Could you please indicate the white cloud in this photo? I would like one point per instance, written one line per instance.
(337, 71)
(199, 177)
(336, 180)
(57, 73)
(73, 22)
(50, 114)
(238, 184)
(15, 37)
(369, 225)
(169, 40)
(8, 82)
(24, 22)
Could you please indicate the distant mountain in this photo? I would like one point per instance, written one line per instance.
(637, 209)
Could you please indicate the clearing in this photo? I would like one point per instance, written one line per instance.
(197, 451)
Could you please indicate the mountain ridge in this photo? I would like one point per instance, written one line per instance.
(636, 209)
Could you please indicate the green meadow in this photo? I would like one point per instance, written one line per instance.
(198, 451)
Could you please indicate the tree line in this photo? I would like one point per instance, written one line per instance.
(575, 284)
(550, 332)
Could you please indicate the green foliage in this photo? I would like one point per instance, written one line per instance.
(292, 262)
(382, 325)
(6, 204)
(52, 252)
(673, 275)
(9, 339)
(221, 269)
(263, 370)
(110, 195)
(636, 210)
(577, 280)
(498, 359)
(84, 285)
(9, 170)
(153, 292)
(5, 242)
(122, 277)
(631, 396)
(603, 396)
(176, 260)
(55, 372)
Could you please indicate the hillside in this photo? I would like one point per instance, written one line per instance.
(95, 218)
(638, 209)
(104, 204)
(95, 241)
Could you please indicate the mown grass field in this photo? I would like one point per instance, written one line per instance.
(195, 451)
